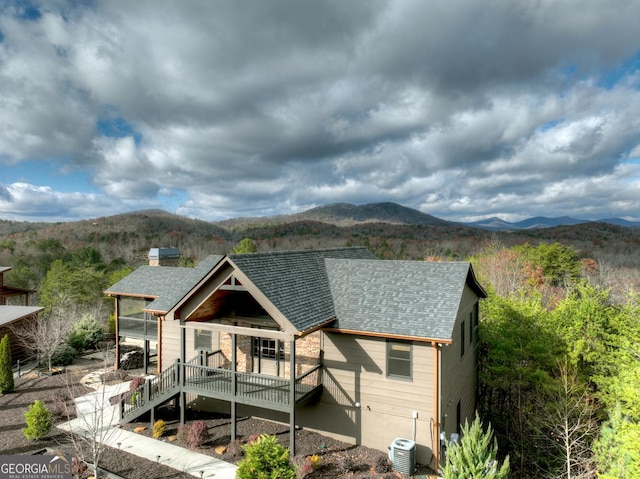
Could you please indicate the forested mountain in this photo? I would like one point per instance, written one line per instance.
(345, 214)
(559, 338)
(390, 230)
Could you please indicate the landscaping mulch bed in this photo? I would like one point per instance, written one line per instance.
(339, 459)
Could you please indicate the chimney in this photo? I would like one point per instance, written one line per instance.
(164, 256)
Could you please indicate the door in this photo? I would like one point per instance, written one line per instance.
(267, 354)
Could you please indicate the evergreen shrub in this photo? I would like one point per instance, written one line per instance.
(39, 421)
(265, 459)
(6, 373)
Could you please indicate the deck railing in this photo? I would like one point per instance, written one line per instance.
(218, 382)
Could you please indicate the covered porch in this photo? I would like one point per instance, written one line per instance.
(234, 375)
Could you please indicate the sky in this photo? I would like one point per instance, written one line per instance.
(224, 109)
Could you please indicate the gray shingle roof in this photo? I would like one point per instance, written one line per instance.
(9, 314)
(296, 281)
(311, 287)
(407, 298)
(166, 283)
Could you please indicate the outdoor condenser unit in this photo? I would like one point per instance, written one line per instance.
(402, 454)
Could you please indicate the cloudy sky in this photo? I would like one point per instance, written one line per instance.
(220, 109)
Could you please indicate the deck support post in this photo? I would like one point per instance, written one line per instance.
(145, 363)
(182, 407)
(292, 398)
(234, 390)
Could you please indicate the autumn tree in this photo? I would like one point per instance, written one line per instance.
(559, 264)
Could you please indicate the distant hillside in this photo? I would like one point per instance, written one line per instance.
(538, 222)
(387, 229)
(344, 215)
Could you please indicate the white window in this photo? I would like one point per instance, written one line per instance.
(399, 359)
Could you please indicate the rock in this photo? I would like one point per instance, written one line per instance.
(139, 429)
(220, 450)
(172, 438)
(132, 360)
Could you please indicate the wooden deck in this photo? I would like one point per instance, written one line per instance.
(216, 382)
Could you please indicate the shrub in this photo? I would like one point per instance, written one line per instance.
(475, 455)
(316, 461)
(134, 398)
(303, 466)
(63, 356)
(159, 428)
(198, 434)
(77, 341)
(6, 373)
(38, 420)
(265, 459)
(136, 382)
(85, 333)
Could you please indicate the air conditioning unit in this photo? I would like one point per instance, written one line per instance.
(402, 454)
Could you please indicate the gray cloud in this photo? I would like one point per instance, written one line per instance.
(462, 109)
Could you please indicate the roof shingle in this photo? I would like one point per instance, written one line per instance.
(406, 298)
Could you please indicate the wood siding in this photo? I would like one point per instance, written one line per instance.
(361, 405)
(170, 343)
(459, 373)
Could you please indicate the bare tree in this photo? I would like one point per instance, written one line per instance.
(89, 420)
(572, 426)
(44, 335)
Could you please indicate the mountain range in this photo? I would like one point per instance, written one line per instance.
(345, 214)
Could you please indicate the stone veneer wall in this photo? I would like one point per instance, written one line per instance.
(307, 353)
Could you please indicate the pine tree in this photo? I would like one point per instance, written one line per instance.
(474, 456)
(6, 373)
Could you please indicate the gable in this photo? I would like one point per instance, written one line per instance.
(167, 284)
(399, 298)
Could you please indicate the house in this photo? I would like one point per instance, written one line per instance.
(335, 340)
(14, 314)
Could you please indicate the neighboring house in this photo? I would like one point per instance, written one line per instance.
(12, 315)
(379, 349)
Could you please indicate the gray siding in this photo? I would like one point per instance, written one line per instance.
(355, 372)
(459, 374)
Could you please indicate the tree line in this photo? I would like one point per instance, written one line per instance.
(559, 364)
(559, 358)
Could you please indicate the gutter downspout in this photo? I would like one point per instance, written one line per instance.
(117, 317)
(436, 406)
